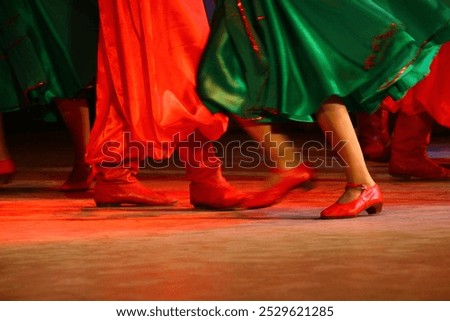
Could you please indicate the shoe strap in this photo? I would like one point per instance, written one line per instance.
(361, 187)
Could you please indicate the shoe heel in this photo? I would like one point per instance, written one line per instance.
(375, 209)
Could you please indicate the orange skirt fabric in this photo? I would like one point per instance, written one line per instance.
(146, 80)
(432, 94)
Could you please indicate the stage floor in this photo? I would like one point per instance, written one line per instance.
(56, 246)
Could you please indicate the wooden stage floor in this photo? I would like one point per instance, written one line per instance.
(56, 246)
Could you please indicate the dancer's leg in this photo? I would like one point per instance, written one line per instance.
(277, 147)
(333, 117)
(208, 188)
(374, 136)
(75, 113)
(289, 172)
(409, 149)
(361, 192)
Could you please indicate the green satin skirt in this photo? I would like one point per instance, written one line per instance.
(273, 59)
(47, 50)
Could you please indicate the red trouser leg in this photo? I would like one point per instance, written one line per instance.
(409, 156)
(208, 188)
(374, 135)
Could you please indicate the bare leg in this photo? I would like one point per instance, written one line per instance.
(288, 174)
(333, 117)
(75, 113)
(278, 147)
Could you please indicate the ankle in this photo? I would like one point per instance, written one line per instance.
(354, 190)
(361, 185)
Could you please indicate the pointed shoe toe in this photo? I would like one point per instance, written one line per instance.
(111, 194)
(423, 168)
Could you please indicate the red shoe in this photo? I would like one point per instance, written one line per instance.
(80, 179)
(216, 196)
(409, 157)
(7, 170)
(300, 176)
(115, 194)
(419, 166)
(208, 188)
(370, 201)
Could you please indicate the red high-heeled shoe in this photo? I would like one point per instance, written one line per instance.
(300, 176)
(370, 201)
(7, 170)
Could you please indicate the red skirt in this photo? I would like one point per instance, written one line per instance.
(146, 79)
(432, 94)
